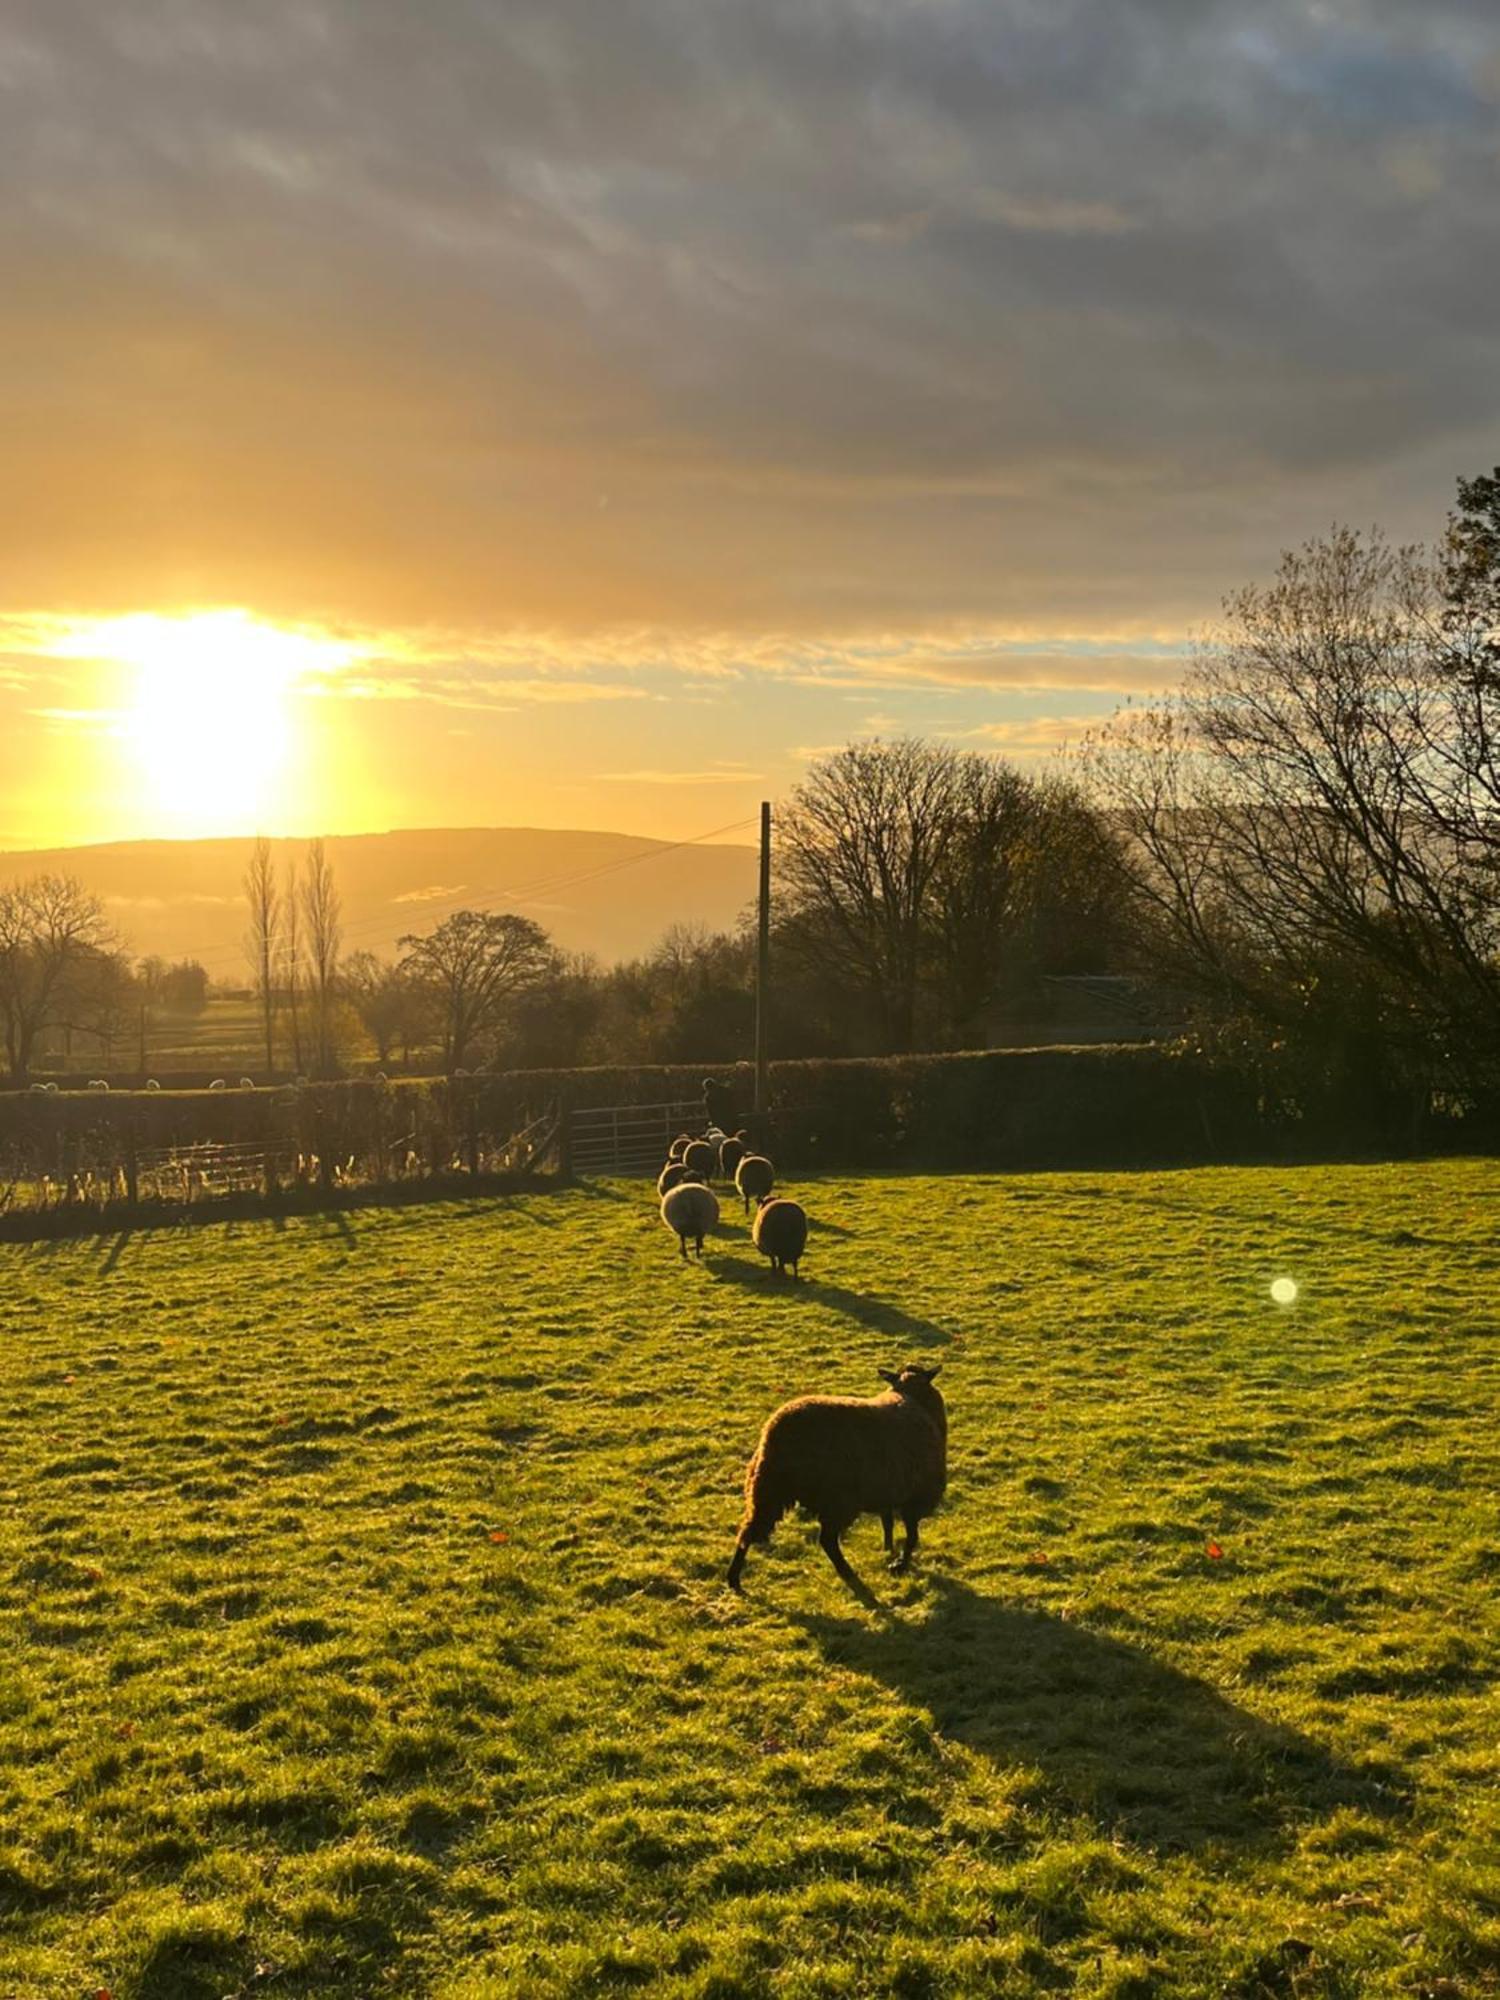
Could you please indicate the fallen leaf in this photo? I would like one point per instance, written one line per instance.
(498, 1535)
(1214, 1552)
(1039, 1556)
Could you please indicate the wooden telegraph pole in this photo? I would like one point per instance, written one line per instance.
(763, 959)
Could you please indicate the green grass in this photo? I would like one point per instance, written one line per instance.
(362, 1628)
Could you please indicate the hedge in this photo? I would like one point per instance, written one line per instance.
(1105, 1105)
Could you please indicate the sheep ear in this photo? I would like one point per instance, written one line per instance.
(932, 1373)
(886, 1375)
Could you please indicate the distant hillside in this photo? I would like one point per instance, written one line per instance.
(606, 893)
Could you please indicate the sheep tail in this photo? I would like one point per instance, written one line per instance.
(766, 1500)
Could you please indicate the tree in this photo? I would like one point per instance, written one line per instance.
(321, 911)
(858, 856)
(291, 962)
(474, 964)
(1311, 822)
(262, 944)
(934, 884)
(391, 1010)
(57, 965)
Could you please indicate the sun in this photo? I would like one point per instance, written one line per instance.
(209, 722)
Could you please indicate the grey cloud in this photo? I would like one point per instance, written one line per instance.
(811, 309)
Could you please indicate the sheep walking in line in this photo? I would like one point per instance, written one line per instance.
(670, 1175)
(842, 1456)
(678, 1146)
(731, 1152)
(700, 1158)
(780, 1233)
(754, 1177)
(690, 1210)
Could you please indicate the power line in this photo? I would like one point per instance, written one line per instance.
(525, 891)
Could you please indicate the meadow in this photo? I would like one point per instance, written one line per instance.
(364, 1629)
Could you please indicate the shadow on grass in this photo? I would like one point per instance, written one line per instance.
(597, 1191)
(1144, 1749)
(878, 1314)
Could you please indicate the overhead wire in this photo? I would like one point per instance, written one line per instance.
(522, 892)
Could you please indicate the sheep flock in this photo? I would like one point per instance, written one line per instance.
(835, 1457)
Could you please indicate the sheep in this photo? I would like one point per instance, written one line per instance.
(754, 1177)
(678, 1146)
(780, 1233)
(218, 1084)
(690, 1209)
(839, 1457)
(700, 1158)
(247, 1083)
(731, 1152)
(98, 1083)
(152, 1084)
(670, 1175)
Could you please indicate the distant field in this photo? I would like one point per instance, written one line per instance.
(227, 1037)
(364, 1632)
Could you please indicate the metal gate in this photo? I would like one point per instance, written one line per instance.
(628, 1138)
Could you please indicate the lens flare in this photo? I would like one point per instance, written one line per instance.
(1284, 1291)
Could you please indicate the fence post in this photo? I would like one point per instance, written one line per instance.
(132, 1176)
(564, 1135)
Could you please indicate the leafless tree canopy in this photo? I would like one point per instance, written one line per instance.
(921, 880)
(476, 964)
(59, 966)
(261, 943)
(321, 912)
(1312, 824)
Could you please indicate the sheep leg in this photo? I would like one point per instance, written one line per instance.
(912, 1523)
(737, 1565)
(682, 1248)
(700, 1249)
(888, 1525)
(828, 1541)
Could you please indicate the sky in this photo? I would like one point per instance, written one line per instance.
(573, 414)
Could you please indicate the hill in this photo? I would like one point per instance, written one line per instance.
(611, 894)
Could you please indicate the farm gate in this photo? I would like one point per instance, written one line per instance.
(628, 1138)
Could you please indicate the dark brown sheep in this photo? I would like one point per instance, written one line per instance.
(701, 1158)
(842, 1456)
(731, 1152)
(669, 1176)
(780, 1233)
(754, 1177)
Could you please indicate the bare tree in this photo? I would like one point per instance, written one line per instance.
(935, 882)
(475, 964)
(1307, 821)
(56, 949)
(860, 848)
(321, 913)
(291, 961)
(261, 945)
(383, 998)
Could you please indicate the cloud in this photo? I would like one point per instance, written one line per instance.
(431, 894)
(1035, 735)
(1051, 215)
(751, 320)
(718, 775)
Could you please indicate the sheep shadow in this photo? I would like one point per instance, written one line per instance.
(1145, 1750)
(877, 1314)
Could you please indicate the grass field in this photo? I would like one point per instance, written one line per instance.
(363, 1627)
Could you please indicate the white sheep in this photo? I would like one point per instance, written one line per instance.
(690, 1209)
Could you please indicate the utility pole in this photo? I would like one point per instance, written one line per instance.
(763, 959)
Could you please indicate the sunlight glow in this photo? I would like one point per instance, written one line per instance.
(209, 719)
(1284, 1291)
